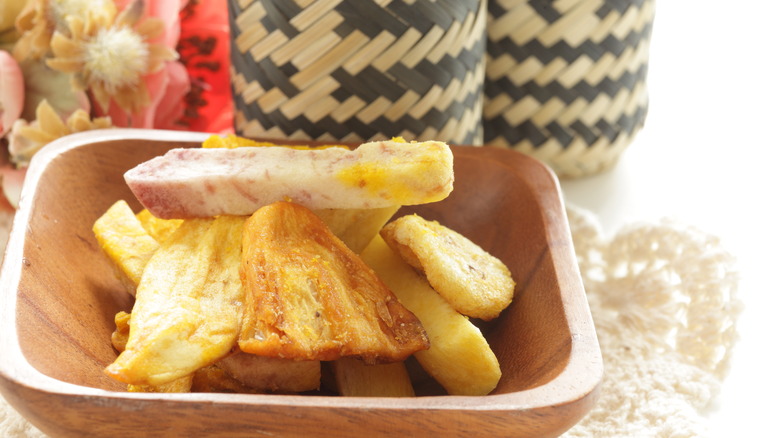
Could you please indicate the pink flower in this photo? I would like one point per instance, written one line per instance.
(11, 91)
(11, 105)
(167, 87)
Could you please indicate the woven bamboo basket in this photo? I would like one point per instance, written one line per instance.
(566, 79)
(358, 70)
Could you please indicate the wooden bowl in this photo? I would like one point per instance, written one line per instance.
(59, 296)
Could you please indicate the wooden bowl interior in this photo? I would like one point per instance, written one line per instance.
(68, 294)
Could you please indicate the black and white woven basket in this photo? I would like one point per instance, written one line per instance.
(356, 70)
(566, 79)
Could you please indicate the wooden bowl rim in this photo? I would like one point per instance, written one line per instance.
(580, 378)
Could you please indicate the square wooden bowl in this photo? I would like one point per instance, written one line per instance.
(59, 296)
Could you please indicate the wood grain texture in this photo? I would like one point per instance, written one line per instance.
(58, 296)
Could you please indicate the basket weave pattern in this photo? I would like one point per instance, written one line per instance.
(357, 70)
(566, 79)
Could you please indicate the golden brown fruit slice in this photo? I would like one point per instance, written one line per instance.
(459, 358)
(474, 282)
(127, 244)
(272, 373)
(214, 379)
(187, 312)
(354, 378)
(356, 227)
(309, 297)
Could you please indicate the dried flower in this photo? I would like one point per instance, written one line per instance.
(79, 65)
(111, 55)
(28, 138)
(38, 21)
(9, 10)
(41, 82)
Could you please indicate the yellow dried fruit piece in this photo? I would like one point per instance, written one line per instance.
(459, 357)
(232, 141)
(415, 173)
(354, 378)
(473, 281)
(122, 331)
(188, 307)
(214, 379)
(356, 226)
(119, 341)
(272, 373)
(182, 384)
(127, 244)
(159, 229)
(309, 297)
(251, 372)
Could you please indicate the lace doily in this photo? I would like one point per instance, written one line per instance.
(663, 298)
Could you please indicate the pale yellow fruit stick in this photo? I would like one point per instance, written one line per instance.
(356, 226)
(459, 357)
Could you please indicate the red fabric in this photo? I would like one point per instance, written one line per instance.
(204, 47)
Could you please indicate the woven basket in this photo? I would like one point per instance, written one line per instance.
(357, 70)
(566, 79)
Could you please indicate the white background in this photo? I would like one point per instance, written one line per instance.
(709, 156)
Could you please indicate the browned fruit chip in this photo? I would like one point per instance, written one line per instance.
(309, 297)
(272, 373)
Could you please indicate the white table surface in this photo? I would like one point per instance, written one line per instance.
(709, 156)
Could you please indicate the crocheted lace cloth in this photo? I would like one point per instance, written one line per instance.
(663, 298)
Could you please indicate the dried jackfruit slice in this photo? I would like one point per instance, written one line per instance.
(473, 281)
(309, 297)
(250, 372)
(232, 141)
(127, 244)
(119, 341)
(122, 331)
(159, 229)
(272, 373)
(214, 379)
(354, 378)
(188, 307)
